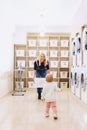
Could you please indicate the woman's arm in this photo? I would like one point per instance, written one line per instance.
(35, 66)
(34, 74)
(48, 71)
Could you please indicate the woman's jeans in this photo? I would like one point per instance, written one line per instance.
(40, 73)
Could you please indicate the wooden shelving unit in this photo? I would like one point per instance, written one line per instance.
(56, 47)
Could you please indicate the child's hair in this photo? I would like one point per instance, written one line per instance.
(49, 77)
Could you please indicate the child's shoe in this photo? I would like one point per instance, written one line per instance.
(47, 115)
(55, 117)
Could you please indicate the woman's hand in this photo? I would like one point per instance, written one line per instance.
(33, 79)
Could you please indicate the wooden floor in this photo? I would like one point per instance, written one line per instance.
(27, 113)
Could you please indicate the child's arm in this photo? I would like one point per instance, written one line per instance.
(43, 93)
(58, 89)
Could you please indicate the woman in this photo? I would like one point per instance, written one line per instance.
(41, 68)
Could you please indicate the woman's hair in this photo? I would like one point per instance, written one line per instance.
(49, 77)
(42, 54)
(39, 59)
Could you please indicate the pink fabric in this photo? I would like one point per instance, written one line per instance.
(51, 105)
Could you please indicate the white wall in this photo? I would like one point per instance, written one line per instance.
(80, 18)
(21, 31)
(6, 65)
(6, 48)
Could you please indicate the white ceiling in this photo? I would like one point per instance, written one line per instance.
(55, 12)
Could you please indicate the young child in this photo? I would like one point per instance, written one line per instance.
(49, 95)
